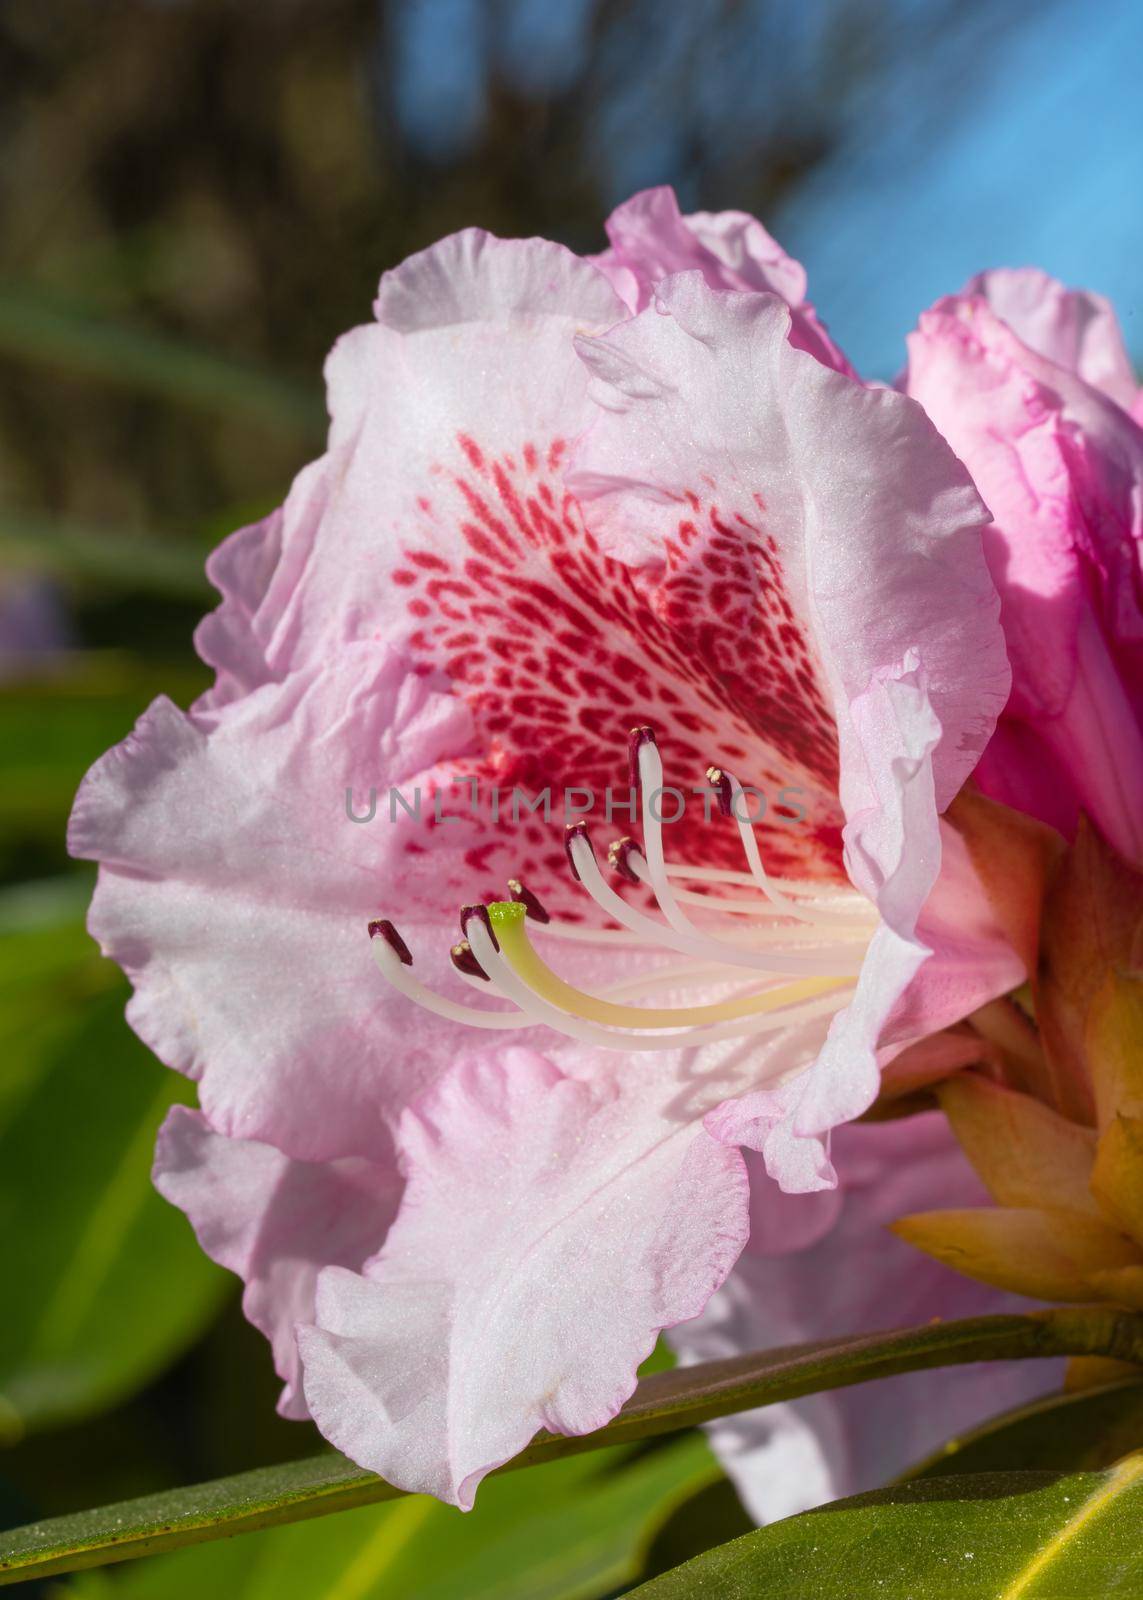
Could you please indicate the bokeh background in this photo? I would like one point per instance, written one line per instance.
(196, 198)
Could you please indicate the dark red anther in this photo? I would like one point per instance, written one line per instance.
(724, 789)
(619, 854)
(637, 739)
(574, 831)
(384, 929)
(464, 961)
(468, 912)
(534, 907)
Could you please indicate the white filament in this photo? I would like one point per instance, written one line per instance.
(790, 908)
(803, 933)
(840, 960)
(798, 928)
(399, 975)
(592, 1033)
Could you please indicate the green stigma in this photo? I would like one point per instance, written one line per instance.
(506, 913)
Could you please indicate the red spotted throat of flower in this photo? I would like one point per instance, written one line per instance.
(798, 949)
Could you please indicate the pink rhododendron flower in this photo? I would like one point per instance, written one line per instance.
(1030, 384)
(560, 499)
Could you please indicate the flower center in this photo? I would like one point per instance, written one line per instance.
(767, 955)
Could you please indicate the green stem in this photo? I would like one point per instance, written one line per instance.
(662, 1403)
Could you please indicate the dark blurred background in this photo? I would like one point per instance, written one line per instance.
(196, 198)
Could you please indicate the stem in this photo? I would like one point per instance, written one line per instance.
(663, 1403)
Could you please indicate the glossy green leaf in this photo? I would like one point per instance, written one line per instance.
(1061, 1433)
(41, 328)
(105, 1283)
(712, 1515)
(1004, 1536)
(574, 1530)
(662, 1403)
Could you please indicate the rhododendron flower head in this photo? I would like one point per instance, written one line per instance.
(562, 500)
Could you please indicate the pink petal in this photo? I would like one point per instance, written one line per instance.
(856, 1278)
(469, 362)
(275, 1222)
(472, 277)
(236, 637)
(1089, 756)
(1061, 467)
(548, 1232)
(444, 525)
(235, 894)
(240, 568)
(651, 239)
(1072, 327)
(718, 444)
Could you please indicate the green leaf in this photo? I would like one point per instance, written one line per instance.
(662, 1403)
(43, 943)
(106, 1284)
(712, 1515)
(1062, 1433)
(41, 328)
(1007, 1536)
(574, 1530)
(49, 966)
(53, 728)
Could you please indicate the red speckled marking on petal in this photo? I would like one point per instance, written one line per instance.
(561, 650)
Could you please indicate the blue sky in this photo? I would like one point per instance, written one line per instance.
(998, 133)
(1038, 158)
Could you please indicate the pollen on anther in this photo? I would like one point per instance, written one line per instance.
(535, 907)
(464, 961)
(619, 853)
(724, 792)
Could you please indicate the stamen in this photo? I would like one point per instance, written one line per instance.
(384, 929)
(467, 913)
(758, 872)
(534, 907)
(838, 961)
(394, 968)
(650, 762)
(530, 966)
(573, 832)
(573, 933)
(720, 783)
(465, 962)
(637, 738)
(575, 1027)
(820, 949)
(651, 769)
(802, 931)
(622, 857)
(805, 886)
